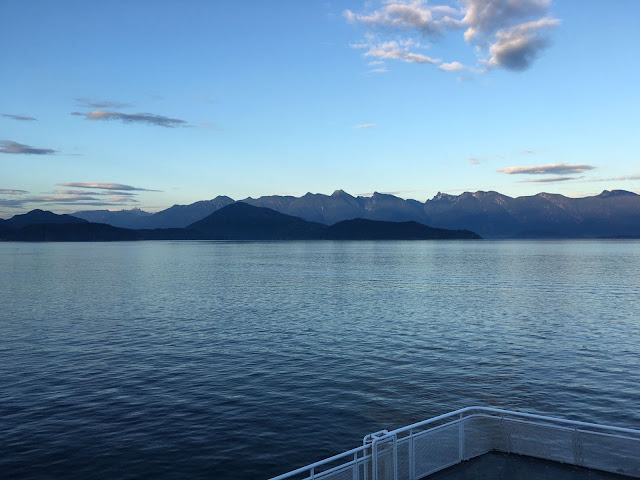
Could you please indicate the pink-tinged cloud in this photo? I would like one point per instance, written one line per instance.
(104, 186)
(553, 168)
(145, 118)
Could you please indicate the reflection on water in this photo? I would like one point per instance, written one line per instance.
(242, 360)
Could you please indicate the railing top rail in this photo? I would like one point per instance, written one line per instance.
(500, 411)
(460, 413)
(320, 463)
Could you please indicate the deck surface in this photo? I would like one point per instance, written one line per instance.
(503, 466)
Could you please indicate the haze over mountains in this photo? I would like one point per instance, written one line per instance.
(491, 214)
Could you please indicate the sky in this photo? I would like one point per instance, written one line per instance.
(146, 104)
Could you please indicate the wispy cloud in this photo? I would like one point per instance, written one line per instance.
(474, 160)
(553, 168)
(22, 118)
(93, 194)
(365, 125)
(122, 199)
(6, 191)
(394, 50)
(145, 118)
(63, 200)
(105, 186)
(85, 192)
(527, 152)
(7, 146)
(550, 179)
(620, 178)
(379, 70)
(93, 103)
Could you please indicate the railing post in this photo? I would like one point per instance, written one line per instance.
(395, 457)
(356, 470)
(366, 468)
(374, 460)
(461, 439)
(412, 458)
(507, 437)
(576, 448)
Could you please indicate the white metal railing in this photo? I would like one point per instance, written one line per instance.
(421, 449)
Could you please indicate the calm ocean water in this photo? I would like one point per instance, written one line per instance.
(244, 360)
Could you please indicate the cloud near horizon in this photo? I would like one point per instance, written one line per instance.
(144, 118)
(557, 168)
(22, 118)
(65, 200)
(620, 178)
(7, 191)
(507, 34)
(8, 146)
(118, 195)
(84, 192)
(105, 186)
(550, 179)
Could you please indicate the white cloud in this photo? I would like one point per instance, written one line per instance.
(508, 34)
(452, 67)
(413, 15)
(488, 16)
(365, 125)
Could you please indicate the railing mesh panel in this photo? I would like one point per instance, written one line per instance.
(541, 441)
(340, 474)
(385, 466)
(609, 453)
(435, 450)
(482, 435)
(364, 469)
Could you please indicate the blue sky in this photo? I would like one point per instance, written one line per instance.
(146, 104)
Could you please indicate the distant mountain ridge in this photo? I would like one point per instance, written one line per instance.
(491, 214)
(177, 216)
(38, 216)
(236, 221)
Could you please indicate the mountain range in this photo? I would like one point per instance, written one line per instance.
(490, 214)
(236, 221)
